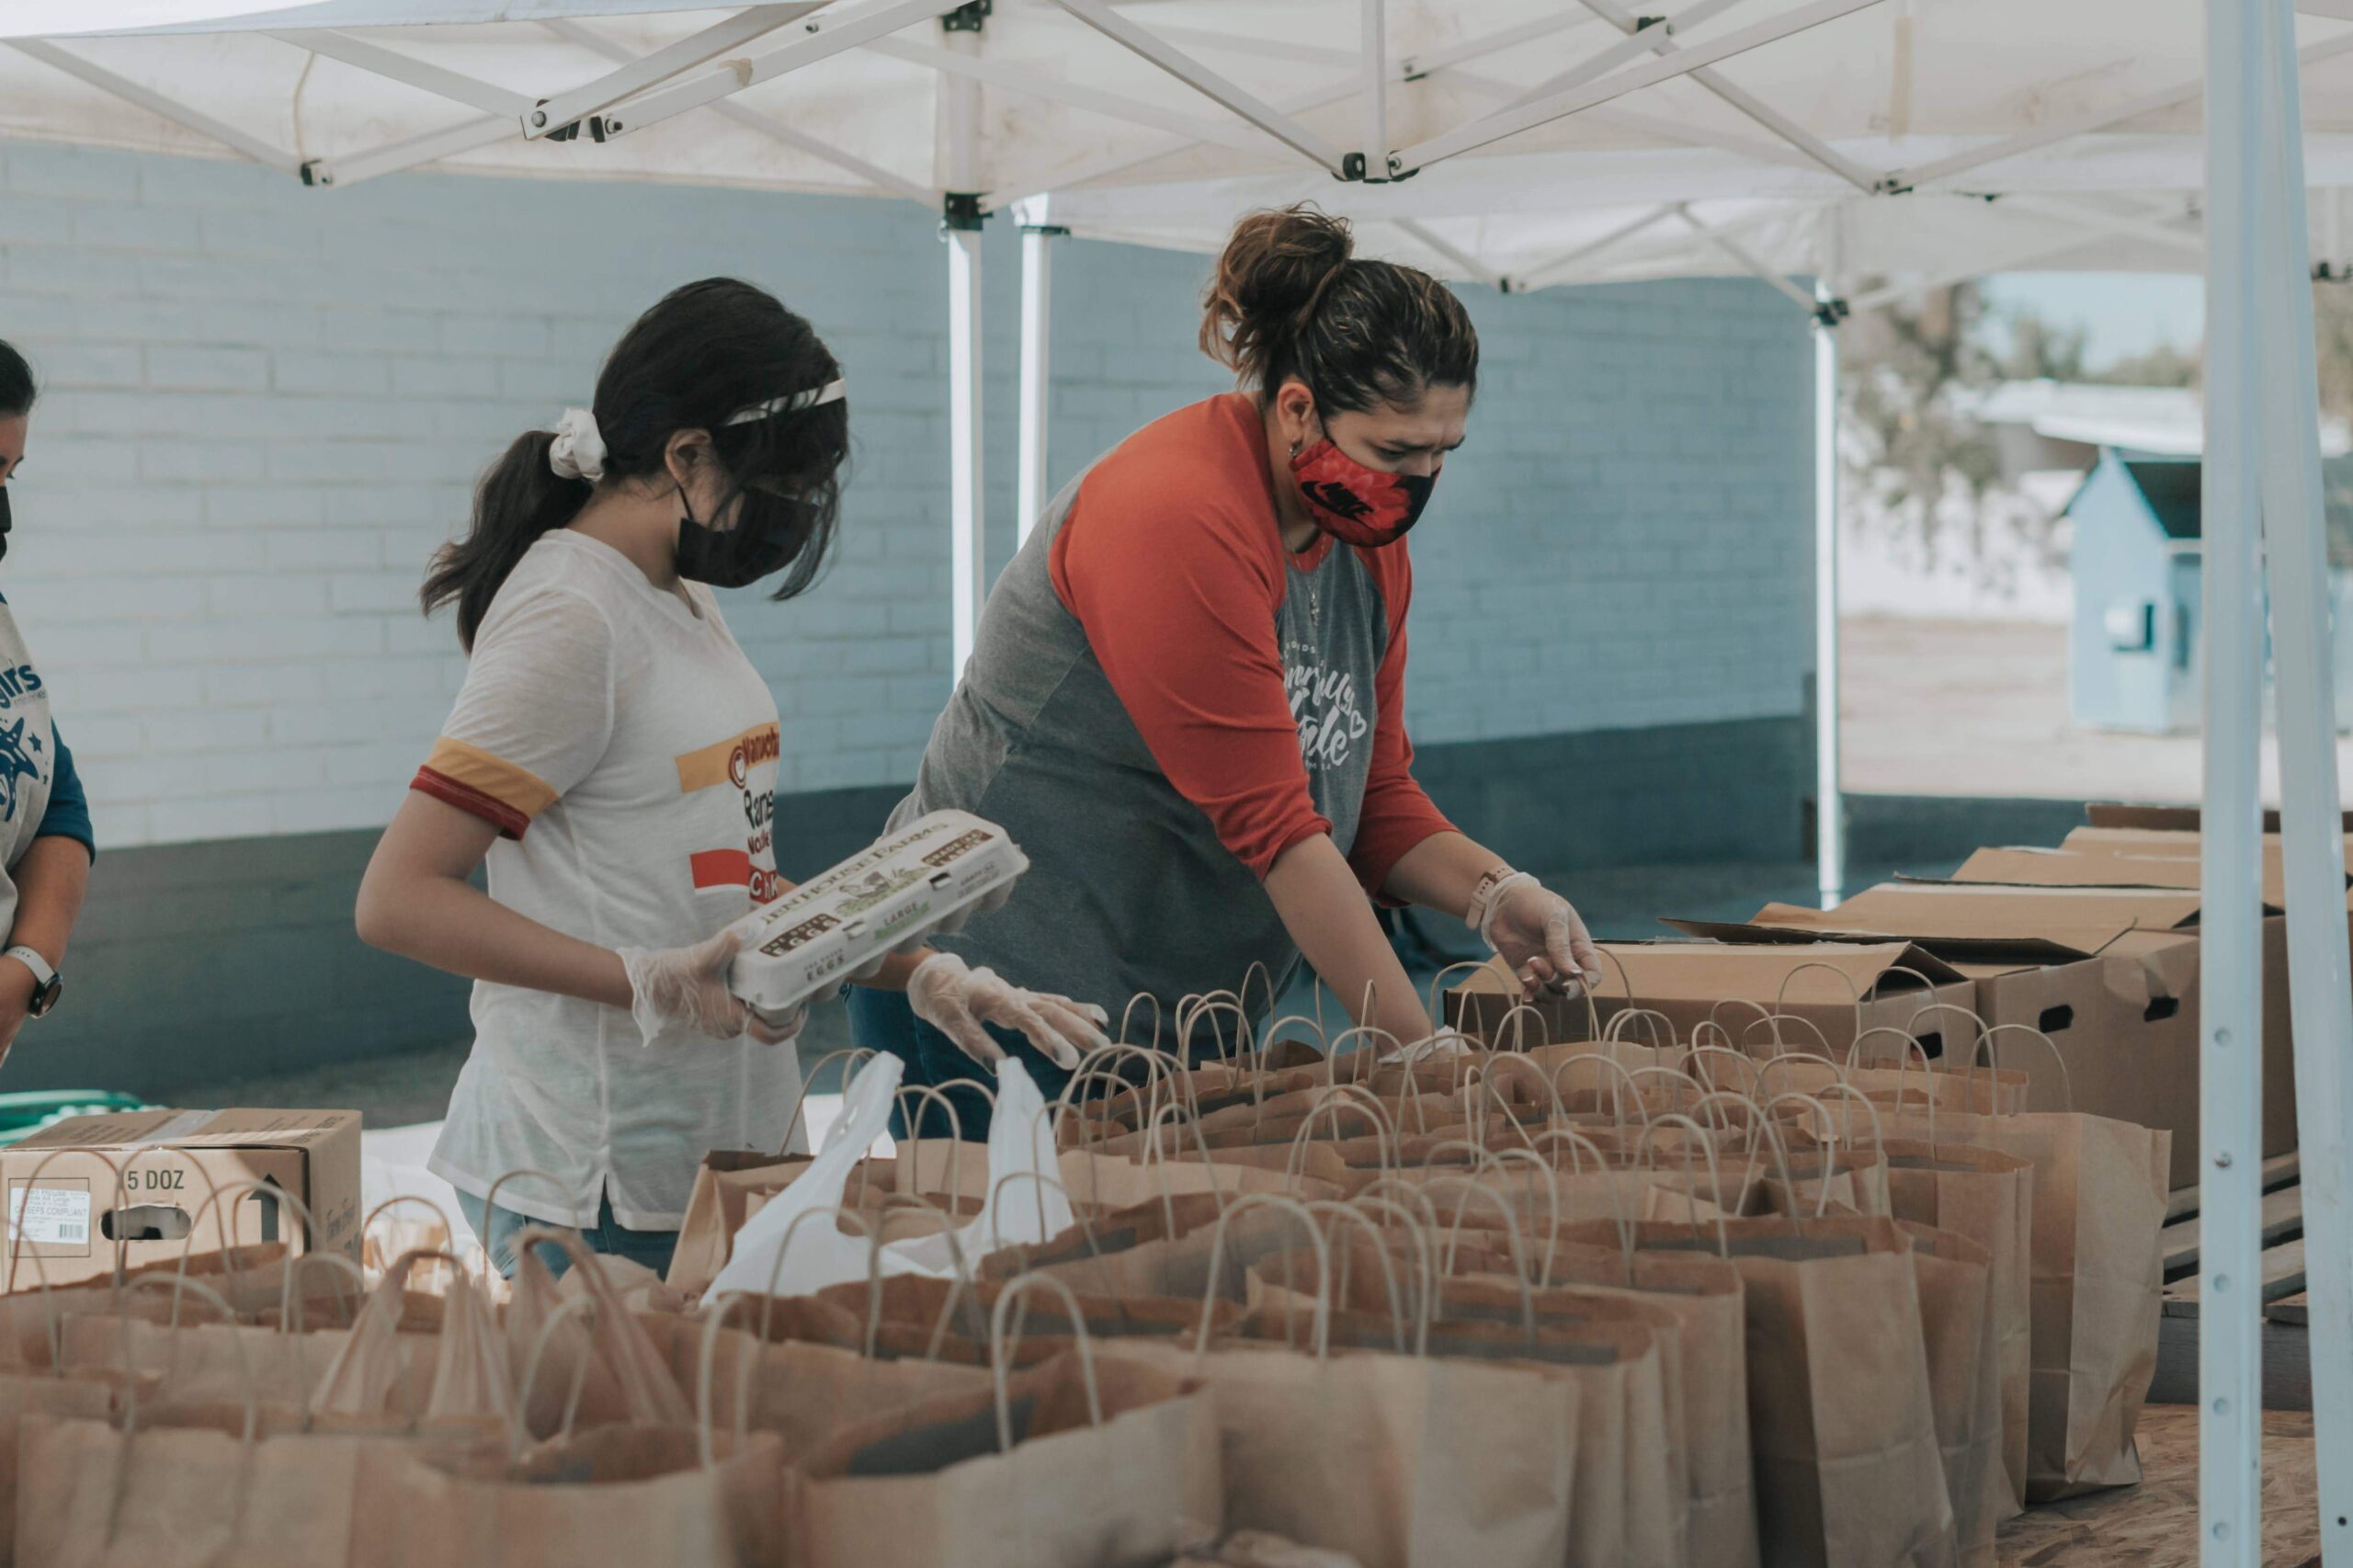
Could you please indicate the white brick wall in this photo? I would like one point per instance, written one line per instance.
(265, 406)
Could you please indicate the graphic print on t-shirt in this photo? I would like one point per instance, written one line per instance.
(1325, 705)
(746, 763)
(19, 760)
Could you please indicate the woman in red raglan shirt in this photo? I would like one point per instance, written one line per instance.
(1186, 700)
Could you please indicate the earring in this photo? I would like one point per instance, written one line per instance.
(1294, 449)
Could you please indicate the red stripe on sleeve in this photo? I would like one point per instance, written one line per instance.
(510, 822)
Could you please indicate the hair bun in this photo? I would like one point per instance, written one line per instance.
(1275, 267)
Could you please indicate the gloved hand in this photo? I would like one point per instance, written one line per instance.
(688, 985)
(1541, 937)
(956, 999)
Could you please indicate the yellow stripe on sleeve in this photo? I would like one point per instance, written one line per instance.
(517, 788)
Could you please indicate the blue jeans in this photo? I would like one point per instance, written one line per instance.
(497, 1230)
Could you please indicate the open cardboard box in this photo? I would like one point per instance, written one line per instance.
(2110, 974)
(2169, 819)
(1689, 981)
(66, 1212)
(2104, 868)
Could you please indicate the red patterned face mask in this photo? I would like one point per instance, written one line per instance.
(1354, 504)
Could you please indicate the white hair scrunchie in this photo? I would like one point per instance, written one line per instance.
(579, 448)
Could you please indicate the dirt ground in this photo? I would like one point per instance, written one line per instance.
(1980, 708)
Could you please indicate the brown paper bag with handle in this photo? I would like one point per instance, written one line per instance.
(801, 1391)
(1988, 1196)
(1077, 1461)
(1954, 1277)
(2097, 1283)
(67, 1398)
(1477, 1463)
(1849, 1474)
(1629, 1491)
(1703, 1292)
(613, 1497)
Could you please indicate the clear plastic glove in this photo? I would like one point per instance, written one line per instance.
(957, 1000)
(1539, 934)
(688, 986)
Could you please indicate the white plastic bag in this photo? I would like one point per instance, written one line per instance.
(818, 1252)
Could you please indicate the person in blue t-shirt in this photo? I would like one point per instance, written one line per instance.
(45, 845)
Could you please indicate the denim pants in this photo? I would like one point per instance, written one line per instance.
(496, 1229)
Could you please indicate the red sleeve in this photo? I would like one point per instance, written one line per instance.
(1176, 585)
(1396, 814)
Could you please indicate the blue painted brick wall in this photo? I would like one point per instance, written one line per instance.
(266, 406)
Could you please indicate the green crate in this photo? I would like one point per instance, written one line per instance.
(27, 1112)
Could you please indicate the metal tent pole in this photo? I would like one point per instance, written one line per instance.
(1830, 802)
(2230, 1418)
(1037, 364)
(962, 216)
(2320, 972)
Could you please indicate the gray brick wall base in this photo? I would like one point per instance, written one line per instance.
(206, 961)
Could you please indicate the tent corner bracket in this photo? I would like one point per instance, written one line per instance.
(1352, 170)
(960, 211)
(1830, 312)
(969, 18)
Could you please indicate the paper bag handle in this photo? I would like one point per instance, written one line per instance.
(1700, 1138)
(240, 1191)
(1322, 1328)
(1782, 1048)
(1625, 1085)
(1986, 1043)
(1511, 1227)
(1747, 1062)
(1000, 1351)
(1331, 1101)
(851, 1057)
(1781, 998)
(1576, 1142)
(1340, 1210)
(1620, 1028)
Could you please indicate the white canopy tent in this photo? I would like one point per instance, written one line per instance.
(1514, 142)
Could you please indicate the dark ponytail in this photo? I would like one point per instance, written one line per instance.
(1289, 300)
(517, 501)
(16, 388)
(707, 352)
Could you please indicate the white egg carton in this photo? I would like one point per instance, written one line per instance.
(925, 880)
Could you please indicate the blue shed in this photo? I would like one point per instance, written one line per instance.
(2138, 552)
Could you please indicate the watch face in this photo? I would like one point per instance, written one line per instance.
(45, 996)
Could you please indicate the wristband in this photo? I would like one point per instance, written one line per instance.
(1475, 916)
(1485, 910)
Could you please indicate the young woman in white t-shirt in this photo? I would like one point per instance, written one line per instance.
(612, 757)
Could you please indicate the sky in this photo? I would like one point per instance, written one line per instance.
(2121, 314)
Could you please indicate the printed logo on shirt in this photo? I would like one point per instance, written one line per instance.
(1324, 704)
(18, 762)
(21, 682)
(731, 763)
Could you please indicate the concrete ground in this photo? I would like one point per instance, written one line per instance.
(1980, 708)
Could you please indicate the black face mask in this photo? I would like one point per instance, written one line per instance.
(764, 541)
(4, 520)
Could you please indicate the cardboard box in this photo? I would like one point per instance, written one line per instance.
(2098, 866)
(2175, 819)
(1689, 980)
(2110, 974)
(2137, 847)
(64, 1196)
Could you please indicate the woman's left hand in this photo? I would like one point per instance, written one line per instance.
(1541, 934)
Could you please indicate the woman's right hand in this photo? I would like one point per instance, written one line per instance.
(957, 1000)
(688, 986)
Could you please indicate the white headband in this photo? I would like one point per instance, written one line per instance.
(793, 402)
(578, 451)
